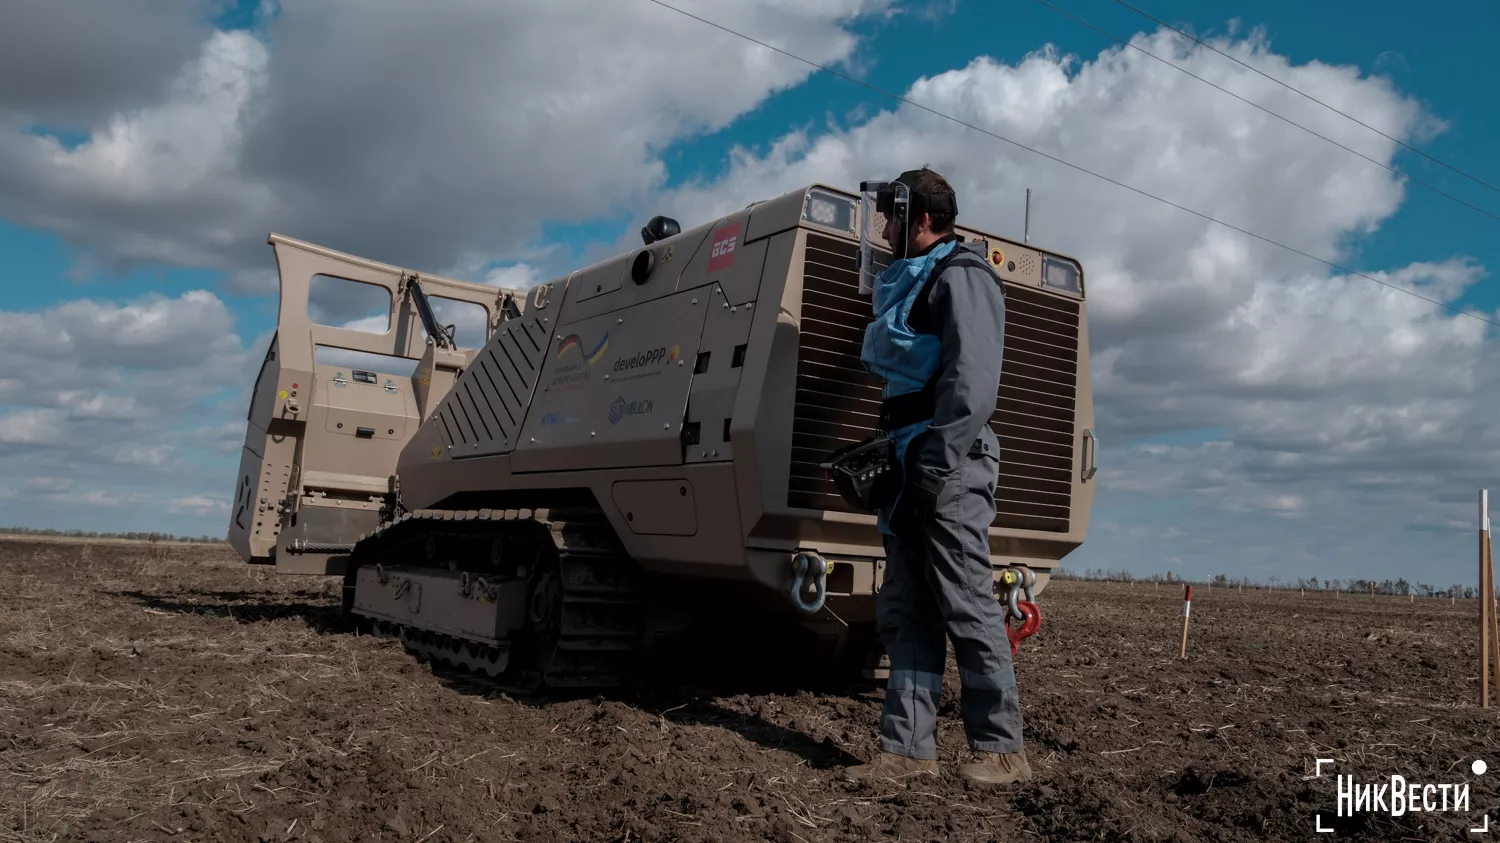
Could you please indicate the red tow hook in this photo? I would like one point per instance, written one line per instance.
(1028, 627)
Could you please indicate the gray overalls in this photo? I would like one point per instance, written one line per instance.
(941, 382)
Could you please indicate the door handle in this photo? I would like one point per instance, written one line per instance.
(1090, 454)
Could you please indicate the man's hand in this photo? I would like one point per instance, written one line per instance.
(923, 486)
(924, 489)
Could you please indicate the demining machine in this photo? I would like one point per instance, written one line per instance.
(636, 451)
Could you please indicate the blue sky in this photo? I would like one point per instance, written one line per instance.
(1433, 59)
(1439, 64)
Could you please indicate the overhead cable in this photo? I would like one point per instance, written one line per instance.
(1127, 43)
(1085, 170)
(1429, 157)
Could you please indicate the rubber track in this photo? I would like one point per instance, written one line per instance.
(599, 633)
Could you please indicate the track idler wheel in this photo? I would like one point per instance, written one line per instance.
(544, 614)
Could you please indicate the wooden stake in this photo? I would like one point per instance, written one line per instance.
(1187, 607)
(1489, 597)
(1484, 599)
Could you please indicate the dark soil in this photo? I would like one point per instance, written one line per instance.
(172, 693)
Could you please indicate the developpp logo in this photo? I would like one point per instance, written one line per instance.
(640, 359)
(1398, 797)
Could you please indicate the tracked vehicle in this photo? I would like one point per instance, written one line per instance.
(631, 452)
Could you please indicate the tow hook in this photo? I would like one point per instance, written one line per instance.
(1014, 581)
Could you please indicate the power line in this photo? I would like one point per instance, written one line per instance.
(966, 124)
(1066, 13)
(1432, 158)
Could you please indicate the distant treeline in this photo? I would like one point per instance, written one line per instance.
(94, 534)
(1357, 586)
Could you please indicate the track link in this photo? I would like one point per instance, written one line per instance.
(582, 618)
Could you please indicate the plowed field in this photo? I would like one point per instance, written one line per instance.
(180, 695)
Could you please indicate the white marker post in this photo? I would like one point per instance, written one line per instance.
(1187, 608)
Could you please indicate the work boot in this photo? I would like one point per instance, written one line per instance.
(996, 768)
(889, 765)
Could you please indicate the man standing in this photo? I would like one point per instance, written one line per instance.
(937, 340)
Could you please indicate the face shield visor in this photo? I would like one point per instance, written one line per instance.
(880, 203)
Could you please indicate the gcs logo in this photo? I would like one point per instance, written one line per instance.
(724, 247)
(725, 240)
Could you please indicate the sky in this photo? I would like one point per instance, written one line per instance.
(1260, 413)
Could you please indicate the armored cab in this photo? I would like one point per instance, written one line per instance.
(636, 438)
(334, 404)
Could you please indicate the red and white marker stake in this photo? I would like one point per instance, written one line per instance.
(1187, 608)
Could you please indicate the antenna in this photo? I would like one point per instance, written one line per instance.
(1027, 236)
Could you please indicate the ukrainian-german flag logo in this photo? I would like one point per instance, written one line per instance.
(572, 341)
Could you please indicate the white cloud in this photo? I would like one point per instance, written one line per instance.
(66, 62)
(154, 332)
(99, 497)
(1344, 405)
(521, 276)
(50, 484)
(147, 456)
(110, 404)
(370, 324)
(30, 427)
(85, 404)
(1340, 402)
(198, 505)
(316, 132)
(145, 172)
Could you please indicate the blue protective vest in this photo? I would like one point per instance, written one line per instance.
(893, 351)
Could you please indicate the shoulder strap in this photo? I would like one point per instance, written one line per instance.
(920, 318)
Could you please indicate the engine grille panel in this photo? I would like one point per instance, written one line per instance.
(838, 402)
(483, 412)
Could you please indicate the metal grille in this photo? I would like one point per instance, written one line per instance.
(487, 404)
(838, 402)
